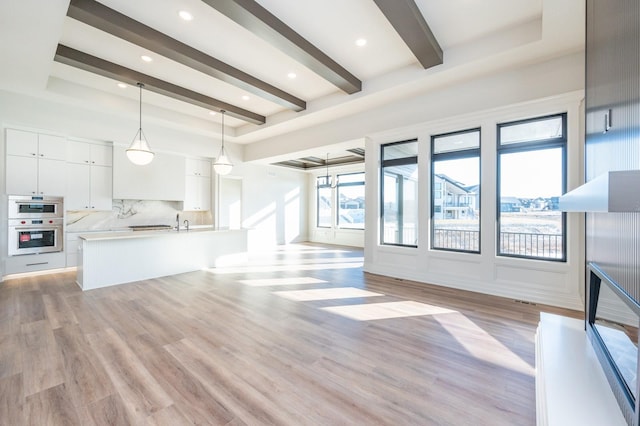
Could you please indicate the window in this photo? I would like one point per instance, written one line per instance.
(351, 201)
(531, 178)
(324, 192)
(399, 194)
(455, 193)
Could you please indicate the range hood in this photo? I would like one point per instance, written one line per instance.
(613, 192)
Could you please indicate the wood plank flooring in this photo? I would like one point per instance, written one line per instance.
(300, 337)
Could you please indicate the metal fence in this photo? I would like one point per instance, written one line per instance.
(456, 239)
(547, 246)
(544, 246)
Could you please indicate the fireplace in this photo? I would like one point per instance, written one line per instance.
(612, 327)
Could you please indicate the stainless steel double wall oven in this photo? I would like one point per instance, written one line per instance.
(35, 224)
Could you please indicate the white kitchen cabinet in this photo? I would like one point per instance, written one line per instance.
(51, 177)
(22, 175)
(34, 262)
(198, 167)
(31, 144)
(35, 163)
(88, 187)
(89, 153)
(22, 143)
(89, 176)
(197, 193)
(52, 147)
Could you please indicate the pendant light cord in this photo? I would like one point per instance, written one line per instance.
(140, 85)
(222, 147)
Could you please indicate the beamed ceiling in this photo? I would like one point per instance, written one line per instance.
(274, 66)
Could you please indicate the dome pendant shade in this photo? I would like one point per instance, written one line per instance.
(222, 165)
(139, 152)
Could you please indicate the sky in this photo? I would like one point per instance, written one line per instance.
(529, 174)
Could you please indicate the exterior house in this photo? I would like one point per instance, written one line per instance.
(453, 200)
(510, 204)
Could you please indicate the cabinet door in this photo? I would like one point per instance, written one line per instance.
(22, 175)
(52, 177)
(205, 193)
(192, 193)
(52, 147)
(198, 167)
(101, 188)
(197, 193)
(101, 155)
(78, 152)
(205, 168)
(78, 187)
(20, 142)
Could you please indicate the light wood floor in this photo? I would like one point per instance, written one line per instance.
(302, 337)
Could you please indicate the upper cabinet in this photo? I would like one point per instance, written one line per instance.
(35, 163)
(89, 176)
(198, 167)
(90, 153)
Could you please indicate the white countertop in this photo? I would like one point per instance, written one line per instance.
(120, 235)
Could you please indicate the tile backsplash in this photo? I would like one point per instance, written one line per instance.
(134, 212)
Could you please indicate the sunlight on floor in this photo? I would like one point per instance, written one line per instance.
(354, 264)
(481, 344)
(267, 282)
(376, 311)
(325, 294)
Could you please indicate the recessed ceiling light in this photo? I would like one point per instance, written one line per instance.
(292, 75)
(212, 113)
(146, 58)
(185, 15)
(245, 98)
(122, 85)
(361, 42)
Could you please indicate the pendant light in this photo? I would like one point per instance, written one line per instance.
(222, 165)
(327, 178)
(139, 152)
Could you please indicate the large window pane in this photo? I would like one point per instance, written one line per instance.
(324, 191)
(455, 191)
(400, 194)
(530, 183)
(351, 201)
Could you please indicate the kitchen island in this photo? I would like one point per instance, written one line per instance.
(111, 258)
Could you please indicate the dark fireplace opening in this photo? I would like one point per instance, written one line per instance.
(613, 317)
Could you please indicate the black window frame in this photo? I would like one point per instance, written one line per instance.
(558, 142)
(390, 163)
(455, 155)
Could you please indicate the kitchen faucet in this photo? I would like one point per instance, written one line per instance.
(178, 222)
(186, 224)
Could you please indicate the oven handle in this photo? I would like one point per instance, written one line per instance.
(36, 228)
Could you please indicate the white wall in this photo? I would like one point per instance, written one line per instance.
(274, 204)
(554, 283)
